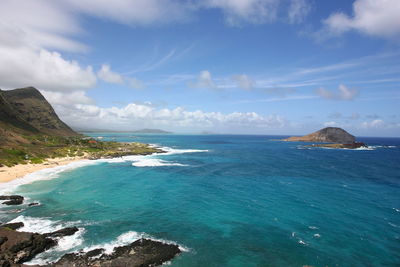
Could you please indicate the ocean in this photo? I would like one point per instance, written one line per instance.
(227, 200)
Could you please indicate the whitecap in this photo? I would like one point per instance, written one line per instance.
(54, 172)
(41, 225)
(313, 227)
(155, 163)
(317, 235)
(302, 242)
(128, 238)
(64, 244)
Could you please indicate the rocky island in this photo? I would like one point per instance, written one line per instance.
(330, 137)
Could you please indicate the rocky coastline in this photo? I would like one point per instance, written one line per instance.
(18, 247)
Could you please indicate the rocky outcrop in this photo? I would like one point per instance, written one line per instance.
(18, 247)
(354, 145)
(12, 200)
(63, 232)
(13, 226)
(326, 135)
(143, 252)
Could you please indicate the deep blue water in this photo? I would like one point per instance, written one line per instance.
(235, 201)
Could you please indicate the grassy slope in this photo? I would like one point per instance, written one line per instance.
(41, 147)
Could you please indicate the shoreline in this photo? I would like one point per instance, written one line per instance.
(8, 174)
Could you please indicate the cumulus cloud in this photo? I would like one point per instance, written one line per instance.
(372, 17)
(342, 93)
(20, 67)
(67, 99)
(27, 37)
(107, 75)
(298, 10)
(243, 81)
(146, 115)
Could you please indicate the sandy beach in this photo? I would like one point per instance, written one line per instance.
(11, 173)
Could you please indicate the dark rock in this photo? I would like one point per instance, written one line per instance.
(2, 240)
(63, 232)
(143, 252)
(33, 204)
(12, 200)
(22, 246)
(11, 197)
(13, 226)
(340, 146)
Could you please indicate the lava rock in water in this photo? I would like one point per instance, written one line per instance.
(19, 247)
(63, 232)
(33, 204)
(13, 226)
(143, 252)
(12, 200)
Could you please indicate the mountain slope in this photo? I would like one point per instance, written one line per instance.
(27, 109)
(25, 112)
(326, 135)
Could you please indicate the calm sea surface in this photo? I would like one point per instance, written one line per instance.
(228, 200)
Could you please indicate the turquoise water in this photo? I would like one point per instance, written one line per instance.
(231, 201)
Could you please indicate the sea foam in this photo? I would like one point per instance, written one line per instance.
(138, 161)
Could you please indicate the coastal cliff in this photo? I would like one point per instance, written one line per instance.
(326, 135)
(26, 111)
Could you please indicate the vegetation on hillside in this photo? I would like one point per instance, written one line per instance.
(42, 147)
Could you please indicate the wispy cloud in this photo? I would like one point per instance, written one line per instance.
(342, 93)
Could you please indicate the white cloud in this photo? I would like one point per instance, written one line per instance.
(67, 99)
(342, 93)
(246, 11)
(298, 10)
(142, 115)
(372, 17)
(107, 75)
(204, 80)
(243, 81)
(21, 67)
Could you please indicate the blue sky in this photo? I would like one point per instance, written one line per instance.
(223, 66)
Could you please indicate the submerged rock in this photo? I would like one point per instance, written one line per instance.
(33, 204)
(143, 252)
(63, 232)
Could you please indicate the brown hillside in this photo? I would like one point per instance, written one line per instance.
(326, 135)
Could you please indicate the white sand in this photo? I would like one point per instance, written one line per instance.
(18, 171)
